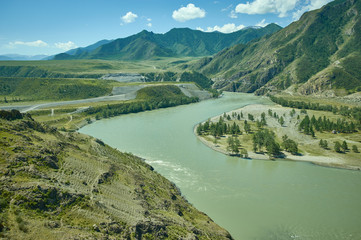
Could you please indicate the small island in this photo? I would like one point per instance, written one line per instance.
(265, 132)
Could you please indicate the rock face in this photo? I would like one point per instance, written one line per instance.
(62, 185)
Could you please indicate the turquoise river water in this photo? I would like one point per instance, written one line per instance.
(252, 199)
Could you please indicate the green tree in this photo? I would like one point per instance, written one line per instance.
(247, 127)
(244, 153)
(337, 147)
(281, 121)
(290, 146)
(200, 129)
(263, 119)
(250, 117)
(236, 145)
(273, 148)
(344, 146)
(355, 149)
(323, 144)
(293, 112)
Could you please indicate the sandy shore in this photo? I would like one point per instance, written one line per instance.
(325, 158)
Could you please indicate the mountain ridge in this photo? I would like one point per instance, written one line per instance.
(313, 55)
(178, 42)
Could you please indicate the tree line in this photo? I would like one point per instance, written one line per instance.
(218, 129)
(137, 106)
(310, 125)
(148, 98)
(354, 112)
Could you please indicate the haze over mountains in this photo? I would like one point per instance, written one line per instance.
(13, 57)
(319, 54)
(178, 42)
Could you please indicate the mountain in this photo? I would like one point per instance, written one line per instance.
(66, 185)
(89, 48)
(319, 54)
(178, 42)
(81, 50)
(17, 57)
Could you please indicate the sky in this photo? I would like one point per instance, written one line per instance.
(32, 27)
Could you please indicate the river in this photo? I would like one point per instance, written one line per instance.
(252, 199)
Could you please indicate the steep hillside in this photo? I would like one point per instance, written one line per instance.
(320, 53)
(175, 43)
(58, 185)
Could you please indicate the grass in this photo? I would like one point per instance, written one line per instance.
(321, 100)
(101, 66)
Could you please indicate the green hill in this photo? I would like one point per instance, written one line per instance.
(59, 185)
(319, 53)
(179, 42)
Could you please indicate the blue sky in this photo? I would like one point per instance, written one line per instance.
(33, 27)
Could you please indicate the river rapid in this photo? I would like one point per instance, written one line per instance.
(252, 199)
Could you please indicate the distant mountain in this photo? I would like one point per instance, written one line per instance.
(13, 57)
(319, 54)
(81, 50)
(89, 48)
(178, 42)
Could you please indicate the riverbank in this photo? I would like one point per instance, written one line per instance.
(309, 148)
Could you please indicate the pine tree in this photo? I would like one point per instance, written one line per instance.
(199, 129)
(312, 132)
(344, 146)
(354, 149)
(247, 127)
(337, 147)
(281, 121)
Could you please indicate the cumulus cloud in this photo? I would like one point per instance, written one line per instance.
(188, 13)
(313, 4)
(65, 46)
(129, 17)
(37, 43)
(227, 28)
(149, 24)
(280, 7)
(262, 23)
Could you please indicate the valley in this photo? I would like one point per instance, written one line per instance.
(229, 132)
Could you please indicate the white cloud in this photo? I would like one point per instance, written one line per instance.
(188, 13)
(227, 8)
(65, 46)
(227, 28)
(262, 23)
(313, 4)
(149, 25)
(37, 43)
(280, 7)
(149, 19)
(129, 17)
(233, 14)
